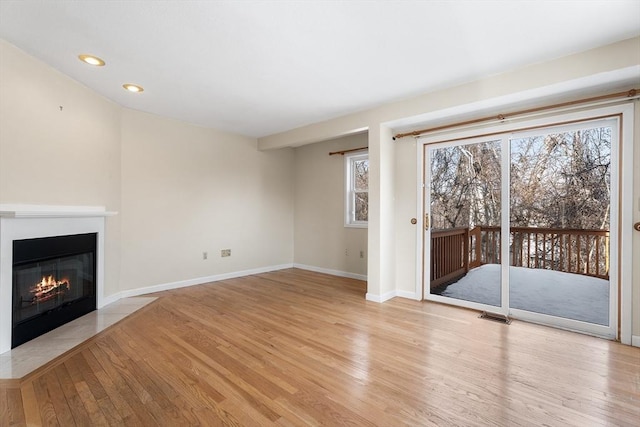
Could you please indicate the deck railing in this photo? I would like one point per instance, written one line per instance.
(449, 255)
(455, 251)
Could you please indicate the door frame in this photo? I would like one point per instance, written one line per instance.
(622, 321)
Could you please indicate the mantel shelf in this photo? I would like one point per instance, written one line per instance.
(42, 211)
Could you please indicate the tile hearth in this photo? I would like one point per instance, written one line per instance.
(28, 357)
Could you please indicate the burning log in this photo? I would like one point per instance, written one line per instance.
(48, 288)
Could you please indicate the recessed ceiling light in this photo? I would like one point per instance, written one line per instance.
(133, 88)
(91, 60)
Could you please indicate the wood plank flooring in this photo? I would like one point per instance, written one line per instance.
(299, 348)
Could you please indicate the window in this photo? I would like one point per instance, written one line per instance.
(357, 190)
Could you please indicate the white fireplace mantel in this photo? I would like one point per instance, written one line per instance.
(33, 221)
(47, 211)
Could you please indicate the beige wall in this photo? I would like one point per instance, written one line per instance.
(188, 190)
(383, 243)
(406, 188)
(58, 157)
(180, 190)
(320, 237)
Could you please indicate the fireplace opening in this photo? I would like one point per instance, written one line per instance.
(54, 282)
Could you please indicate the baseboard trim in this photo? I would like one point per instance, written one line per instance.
(380, 298)
(391, 294)
(407, 294)
(331, 272)
(200, 281)
(104, 301)
(635, 340)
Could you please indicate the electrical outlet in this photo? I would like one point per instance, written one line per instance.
(205, 255)
(346, 252)
(361, 254)
(225, 252)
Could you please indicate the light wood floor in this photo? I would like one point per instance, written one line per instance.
(300, 348)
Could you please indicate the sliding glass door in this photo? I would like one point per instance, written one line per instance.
(522, 224)
(560, 221)
(465, 212)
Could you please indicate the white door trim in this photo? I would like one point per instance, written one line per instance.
(626, 222)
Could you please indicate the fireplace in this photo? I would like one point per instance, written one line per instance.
(54, 282)
(61, 276)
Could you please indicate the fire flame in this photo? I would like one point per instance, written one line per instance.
(49, 288)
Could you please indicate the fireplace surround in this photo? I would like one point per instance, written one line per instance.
(53, 283)
(54, 287)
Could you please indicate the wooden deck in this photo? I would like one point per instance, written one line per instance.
(455, 251)
(300, 348)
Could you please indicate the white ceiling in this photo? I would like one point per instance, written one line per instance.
(262, 67)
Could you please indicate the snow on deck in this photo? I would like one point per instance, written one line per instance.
(555, 293)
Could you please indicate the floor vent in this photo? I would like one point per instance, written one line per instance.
(501, 318)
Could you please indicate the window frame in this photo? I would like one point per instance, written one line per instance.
(349, 206)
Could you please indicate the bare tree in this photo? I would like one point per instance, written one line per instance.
(557, 181)
(465, 185)
(361, 177)
(562, 180)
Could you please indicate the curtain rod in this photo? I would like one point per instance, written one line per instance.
(347, 151)
(628, 94)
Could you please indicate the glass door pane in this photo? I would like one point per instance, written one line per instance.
(465, 209)
(560, 200)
